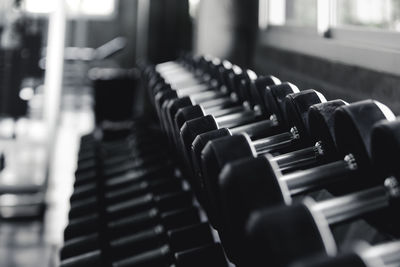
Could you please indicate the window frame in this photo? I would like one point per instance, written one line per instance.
(354, 45)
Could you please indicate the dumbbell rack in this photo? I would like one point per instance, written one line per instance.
(136, 200)
(130, 209)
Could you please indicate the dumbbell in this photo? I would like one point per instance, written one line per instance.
(256, 109)
(122, 162)
(220, 109)
(133, 170)
(135, 135)
(131, 250)
(210, 255)
(320, 130)
(227, 78)
(362, 255)
(313, 153)
(309, 222)
(240, 181)
(180, 76)
(166, 255)
(136, 159)
(183, 80)
(91, 202)
(125, 157)
(222, 150)
(129, 226)
(146, 160)
(241, 77)
(206, 89)
(274, 95)
(152, 168)
(121, 175)
(189, 127)
(89, 222)
(121, 151)
(82, 191)
(114, 156)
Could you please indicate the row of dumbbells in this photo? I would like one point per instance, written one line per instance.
(254, 149)
(128, 208)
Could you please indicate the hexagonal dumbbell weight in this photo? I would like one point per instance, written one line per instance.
(89, 222)
(137, 249)
(220, 151)
(149, 221)
(309, 221)
(241, 177)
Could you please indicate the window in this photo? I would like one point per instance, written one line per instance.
(90, 8)
(193, 6)
(377, 14)
(290, 12)
(367, 14)
(358, 32)
(301, 13)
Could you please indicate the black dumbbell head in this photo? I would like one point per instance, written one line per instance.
(170, 111)
(245, 186)
(245, 83)
(296, 108)
(321, 125)
(385, 146)
(192, 128)
(175, 105)
(251, 172)
(214, 156)
(274, 96)
(256, 90)
(187, 114)
(163, 96)
(200, 142)
(353, 128)
(278, 236)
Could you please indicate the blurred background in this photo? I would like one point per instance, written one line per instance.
(56, 54)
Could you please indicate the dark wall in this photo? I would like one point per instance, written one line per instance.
(227, 29)
(333, 79)
(170, 30)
